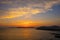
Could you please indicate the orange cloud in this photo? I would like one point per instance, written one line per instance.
(18, 12)
(31, 8)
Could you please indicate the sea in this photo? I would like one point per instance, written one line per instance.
(26, 34)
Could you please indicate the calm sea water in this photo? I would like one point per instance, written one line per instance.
(25, 34)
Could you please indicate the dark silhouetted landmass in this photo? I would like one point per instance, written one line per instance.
(49, 28)
(21, 27)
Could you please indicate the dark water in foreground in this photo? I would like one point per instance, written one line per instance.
(25, 34)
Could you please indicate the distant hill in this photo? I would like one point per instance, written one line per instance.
(49, 28)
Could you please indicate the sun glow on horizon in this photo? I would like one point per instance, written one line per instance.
(27, 23)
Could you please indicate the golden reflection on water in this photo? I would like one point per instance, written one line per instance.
(26, 33)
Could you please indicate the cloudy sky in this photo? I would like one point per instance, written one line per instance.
(29, 12)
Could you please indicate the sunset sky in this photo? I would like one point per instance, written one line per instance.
(29, 12)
